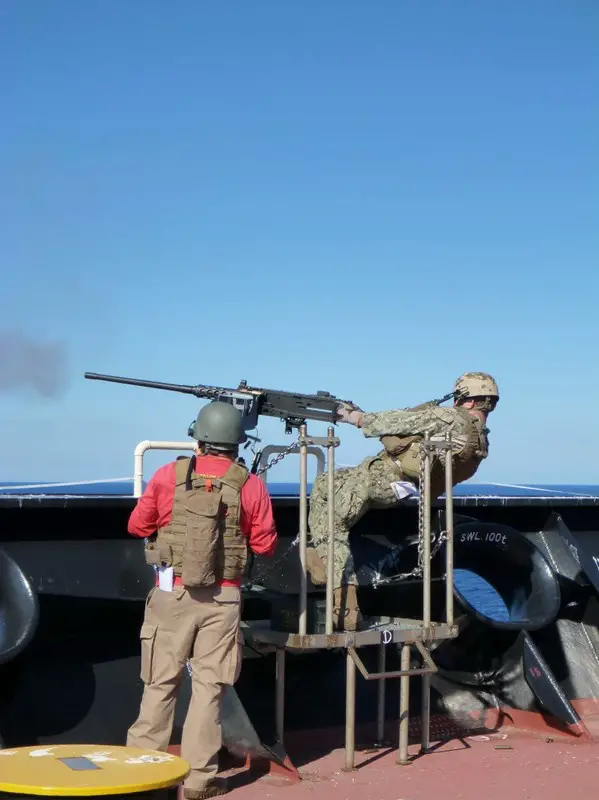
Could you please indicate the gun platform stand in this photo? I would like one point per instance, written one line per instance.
(418, 633)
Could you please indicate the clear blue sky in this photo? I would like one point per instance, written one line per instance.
(367, 198)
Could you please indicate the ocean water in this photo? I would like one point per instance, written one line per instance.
(481, 595)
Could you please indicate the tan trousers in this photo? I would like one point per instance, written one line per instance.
(201, 625)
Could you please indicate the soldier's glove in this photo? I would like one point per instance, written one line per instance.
(350, 414)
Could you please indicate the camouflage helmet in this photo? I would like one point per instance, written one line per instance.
(476, 384)
(220, 425)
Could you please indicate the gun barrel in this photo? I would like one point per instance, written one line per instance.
(292, 407)
(169, 387)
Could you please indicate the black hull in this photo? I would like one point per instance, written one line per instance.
(78, 678)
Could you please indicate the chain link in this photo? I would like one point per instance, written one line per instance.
(418, 570)
(421, 476)
(279, 457)
(271, 567)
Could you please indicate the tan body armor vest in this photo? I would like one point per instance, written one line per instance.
(203, 542)
(404, 451)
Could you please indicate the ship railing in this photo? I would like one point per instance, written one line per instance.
(140, 451)
(148, 444)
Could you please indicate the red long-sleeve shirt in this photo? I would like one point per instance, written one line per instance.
(154, 507)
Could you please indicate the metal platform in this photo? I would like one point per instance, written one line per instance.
(421, 634)
(386, 630)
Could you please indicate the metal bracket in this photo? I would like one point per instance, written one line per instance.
(401, 673)
(436, 447)
(322, 441)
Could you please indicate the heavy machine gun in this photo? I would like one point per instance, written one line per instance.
(292, 407)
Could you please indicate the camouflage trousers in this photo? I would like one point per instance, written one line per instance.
(357, 490)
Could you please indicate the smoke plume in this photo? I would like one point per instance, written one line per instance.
(28, 364)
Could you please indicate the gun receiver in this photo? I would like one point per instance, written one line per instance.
(292, 407)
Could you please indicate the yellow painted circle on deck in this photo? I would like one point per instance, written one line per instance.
(115, 770)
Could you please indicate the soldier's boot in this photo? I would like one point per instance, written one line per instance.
(216, 788)
(315, 566)
(346, 611)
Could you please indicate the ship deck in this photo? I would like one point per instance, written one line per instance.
(493, 767)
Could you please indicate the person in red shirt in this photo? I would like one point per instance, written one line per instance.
(154, 507)
(197, 626)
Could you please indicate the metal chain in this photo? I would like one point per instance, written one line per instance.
(417, 571)
(278, 457)
(401, 576)
(271, 567)
(421, 475)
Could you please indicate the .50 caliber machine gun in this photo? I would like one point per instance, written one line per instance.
(292, 407)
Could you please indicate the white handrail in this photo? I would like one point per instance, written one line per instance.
(138, 469)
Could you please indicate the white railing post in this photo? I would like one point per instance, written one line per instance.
(142, 447)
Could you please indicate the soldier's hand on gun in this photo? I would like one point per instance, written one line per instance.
(346, 412)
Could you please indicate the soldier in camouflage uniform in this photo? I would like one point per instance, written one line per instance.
(378, 481)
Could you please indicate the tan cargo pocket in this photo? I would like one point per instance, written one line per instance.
(238, 657)
(203, 541)
(147, 636)
(410, 462)
(233, 661)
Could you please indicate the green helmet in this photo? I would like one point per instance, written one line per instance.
(220, 425)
